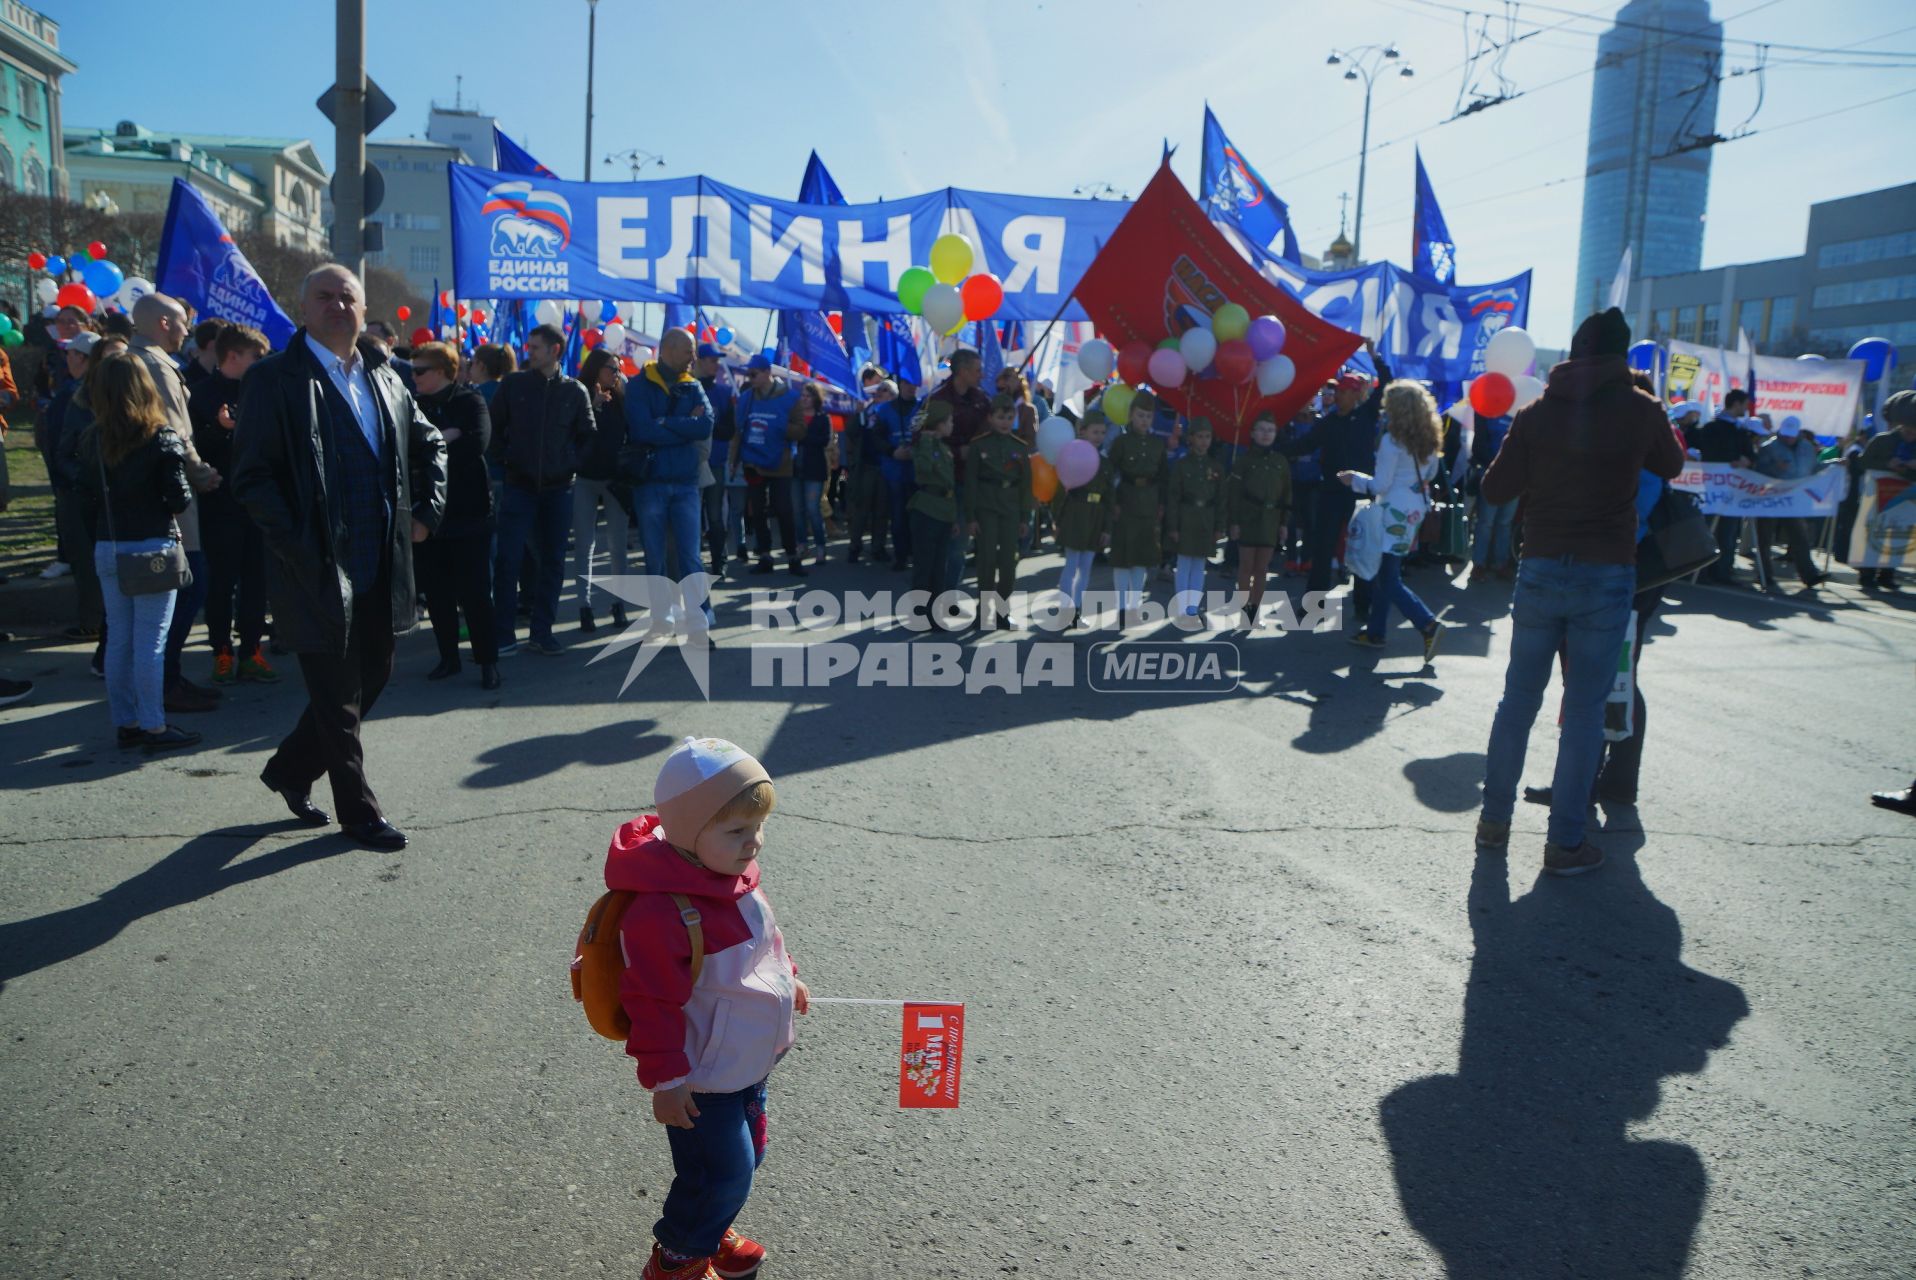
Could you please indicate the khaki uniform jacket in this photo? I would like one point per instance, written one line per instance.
(1258, 497)
(1139, 463)
(1194, 505)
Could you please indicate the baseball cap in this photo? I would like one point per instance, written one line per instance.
(707, 351)
(883, 384)
(1790, 427)
(758, 362)
(1352, 382)
(82, 342)
(1684, 409)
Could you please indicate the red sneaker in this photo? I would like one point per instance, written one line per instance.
(737, 1258)
(696, 1269)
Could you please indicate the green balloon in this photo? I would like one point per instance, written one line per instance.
(1169, 344)
(6, 323)
(911, 289)
(80, 255)
(12, 338)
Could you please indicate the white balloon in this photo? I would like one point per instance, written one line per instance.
(1199, 348)
(1054, 434)
(1510, 352)
(1529, 390)
(1275, 374)
(132, 289)
(50, 311)
(549, 312)
(45, 289)
(615, 337)
(1096, 360)
(944, 307)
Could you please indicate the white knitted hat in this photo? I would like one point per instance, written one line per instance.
(697, 780)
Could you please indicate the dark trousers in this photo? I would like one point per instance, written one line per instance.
(712, 509)
(76, 549)
(236, 580)
(539, 521)
(1333, 512)
(898, 484)
(186, 610)
(1729, 530)
(456, 575)
(1795, 536)
(340, 692)
(771, 497)
(930, 555)
(870, 502)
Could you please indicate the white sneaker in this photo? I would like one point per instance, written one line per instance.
(58, 569)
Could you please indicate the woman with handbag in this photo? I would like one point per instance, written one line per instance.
(132, 481)
(454, 566)
(1407, 462)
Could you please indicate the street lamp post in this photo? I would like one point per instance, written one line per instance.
(1363, 63)
(591, 48)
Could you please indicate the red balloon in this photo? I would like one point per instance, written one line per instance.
(460, 311)
(1235, 361)
(592, 339)
(421, 336)
(1492, 394)
(1134, 363)
(37, 260)
(97, 251)
(983, 295)
(76, 295)
(629, 366)
(836, 321)
(478, 316)
(445, 299)
(799, 365)
(404, 313)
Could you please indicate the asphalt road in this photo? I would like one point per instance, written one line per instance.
(1242, 999)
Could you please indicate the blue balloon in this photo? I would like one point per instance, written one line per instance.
(608, 312)
(1878, 356)
(1648, 357)
(104, 278)
(724, 337)
(56, 265)
(770, 353)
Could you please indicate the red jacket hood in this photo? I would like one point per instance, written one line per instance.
(644, 862)
(1584, 377)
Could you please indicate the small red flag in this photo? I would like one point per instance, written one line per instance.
(929, 1062)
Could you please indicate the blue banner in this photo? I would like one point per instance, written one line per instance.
(514, 158)
(698, 241)
(1433, 252)
(201, 266)
(1230, 189)
(808, 334)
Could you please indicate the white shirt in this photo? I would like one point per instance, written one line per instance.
(349, 378)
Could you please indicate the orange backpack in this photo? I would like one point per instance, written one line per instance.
(598, 961)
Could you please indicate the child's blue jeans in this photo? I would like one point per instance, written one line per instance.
(712, 1164)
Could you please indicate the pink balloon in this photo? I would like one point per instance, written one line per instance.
(1077, 463)
(1266, 337)
(1167, 368)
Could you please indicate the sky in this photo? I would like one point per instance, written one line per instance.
(1041, 98)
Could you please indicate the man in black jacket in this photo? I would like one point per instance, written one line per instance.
(542, 425)
(1348, 437)
(342, 473)
(1725, 439)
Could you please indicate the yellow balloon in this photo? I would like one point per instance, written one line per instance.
(1117, 404)
(1230, 321)
(951, 258)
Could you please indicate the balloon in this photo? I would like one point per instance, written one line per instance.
(629, 366)
(1511, 353)
(404, 313)
(1266, 336)
(77, 295)
(45, 290)
(12, 338)
(800, 365)
(1529, 390)
(135, 288)
(478, 315)
(615, 335)
(1054, 433)
(770, 353)
(1878, 356)
(951, 258)
(608, 312)
(1096, 360)
(56, 265)
(1230, 321)
(1167, 369)
(97, 250)
(6, 323)
(1116, 404)
(1199, 348)
(37, 260)
(1235, 363)
(77, 257)
(445, 299)
(104, 278)
(460, 311)
(421, 335)
(1077, 463)
(836, 321)
(912, 288)
(1492, 394)
(1044, 480)
(547, 312)
(944, 307)
(1275, 374)
(592, 338)
(1166, 344)
(1134, 362)
(724, 337)
(983, 295)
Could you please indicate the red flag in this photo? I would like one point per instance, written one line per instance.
(1165, 266)
(933, 1051)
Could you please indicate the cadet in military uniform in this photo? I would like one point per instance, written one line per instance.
(1194, 515)
(1083, 519)
(1137, 456)
(933, 507)
(998, 506)
(1257, 503)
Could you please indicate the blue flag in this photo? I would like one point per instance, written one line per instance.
(201, 266)
(514, 158)
(990, 354)
(808, 334)
(1230, 189)
(1432, 252)
(575, 327)
(897, 354)
(677, 316)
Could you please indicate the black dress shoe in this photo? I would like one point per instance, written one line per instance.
(300, 803)
(619, 619)
(586, 625)
(377, 834)
(488, 675)
(446, 667)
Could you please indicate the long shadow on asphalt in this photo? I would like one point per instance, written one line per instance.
(1578, 1004)
(197, 869)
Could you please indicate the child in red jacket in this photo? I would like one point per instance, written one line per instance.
(704, 1047)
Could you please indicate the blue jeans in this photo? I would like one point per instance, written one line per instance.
(1491, 545)
(808, 494)
(899, 482)
(186, 607)
(1583, 610)
(135, 641)
(542, 519)
(677, 507)
(712, 1167)
(1388, 589)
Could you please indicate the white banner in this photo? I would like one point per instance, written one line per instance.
(1823, 393)
(1697, 373)
(1885, 532)
(1724, 490)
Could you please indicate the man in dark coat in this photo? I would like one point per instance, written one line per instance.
(1347, 437)
(342, 473)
